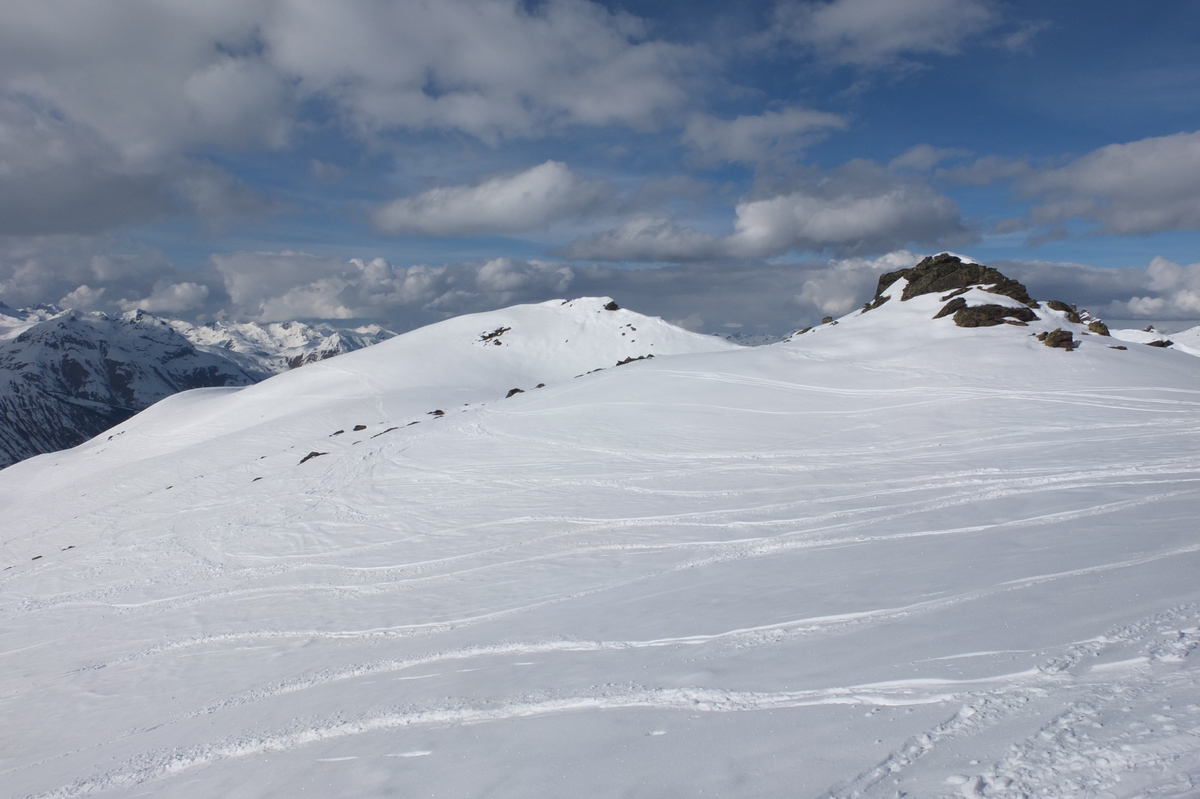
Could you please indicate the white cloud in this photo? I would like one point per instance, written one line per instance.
(101, 106)
(856, 209)
(1142, 187)
(876, 33)
(646, 240)
(924, 157)
(528, 200)
(168, 298)
(847, 222)
(753, 139)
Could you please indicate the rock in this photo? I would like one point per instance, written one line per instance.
(612, 306)
(954, 306)
(1099, 328)
(1058, 338)
(512, 392)
(495, 334)
(827, 320)
(1160, 343)
(310, 456)
(358, 427)
(989, 315)
(1069, 310)
(945, 272)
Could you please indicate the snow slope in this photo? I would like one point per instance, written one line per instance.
(1185, 340)
(65, 376)
(888, 557)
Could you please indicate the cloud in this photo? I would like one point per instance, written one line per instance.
(857, 209)
(754, 139)
(166, 297)
(763, 298)
(878, 33)
(924, 157)
(1160, 290)
(528, 200)
(1139, 188)
(102, 110)
(645, 240)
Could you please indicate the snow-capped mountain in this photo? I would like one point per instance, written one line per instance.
(943, 547)
(66, 376)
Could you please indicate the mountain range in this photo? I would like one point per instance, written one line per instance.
(942, 546)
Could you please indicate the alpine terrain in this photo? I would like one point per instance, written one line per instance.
(67, 375)
(943, 546)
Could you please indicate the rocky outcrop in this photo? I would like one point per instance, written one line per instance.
(943, 273)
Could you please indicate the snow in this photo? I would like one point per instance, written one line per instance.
(886, 557)
(1185, 340)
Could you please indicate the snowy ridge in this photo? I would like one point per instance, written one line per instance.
(889, 557)
(66, 376)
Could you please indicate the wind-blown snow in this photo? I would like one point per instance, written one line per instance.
(887, 557)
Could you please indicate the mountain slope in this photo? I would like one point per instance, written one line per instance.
(890, 556)
(66, 376)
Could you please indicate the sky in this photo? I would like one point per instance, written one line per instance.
(734, 167)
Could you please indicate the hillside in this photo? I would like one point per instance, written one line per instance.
(890, 556)
(66, 375)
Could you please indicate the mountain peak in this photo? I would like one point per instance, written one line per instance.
(946, 272)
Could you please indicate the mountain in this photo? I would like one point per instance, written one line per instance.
(941, 546)
(66, 375)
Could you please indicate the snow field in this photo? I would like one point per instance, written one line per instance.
(888, 557)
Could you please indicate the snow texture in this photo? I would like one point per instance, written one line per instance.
(888, 557)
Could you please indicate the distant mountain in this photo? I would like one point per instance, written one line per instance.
(66, 375)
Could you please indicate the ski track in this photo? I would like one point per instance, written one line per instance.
(1047, 764)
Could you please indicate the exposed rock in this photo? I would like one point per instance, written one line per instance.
(358, 427)
(612, 306)
(1118, 348)
(1160, 343)
(989, 315)
(945, 272)
(954, 306)
(631, 359)
(1098, 327)
(495, 334)
(828, 320)
(512, 392)
(310, 456)
(1069, 310)
(1058, 338)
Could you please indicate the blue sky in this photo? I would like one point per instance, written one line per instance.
(748, 166)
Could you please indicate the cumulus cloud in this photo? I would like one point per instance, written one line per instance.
(517, 203)
(877, 33)
(1160, 290)
(1142, 187)
(848, 217)
(754, 139)
(102, 107)
(858, 209)
(37, 269)
(166, 297)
